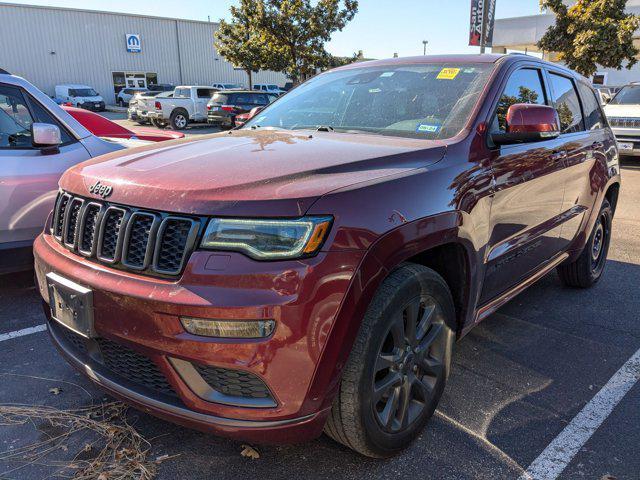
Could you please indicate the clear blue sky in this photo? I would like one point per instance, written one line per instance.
(380, 28)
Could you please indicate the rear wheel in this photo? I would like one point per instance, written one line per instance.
(587, 269)
(179, 119)
(158, 123)
(398, 367)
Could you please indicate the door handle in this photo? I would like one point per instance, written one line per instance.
(562, 154)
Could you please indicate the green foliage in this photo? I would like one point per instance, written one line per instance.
(283, 35)
(591, 33)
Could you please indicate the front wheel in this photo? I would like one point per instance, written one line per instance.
(587, 269)
(399, 364)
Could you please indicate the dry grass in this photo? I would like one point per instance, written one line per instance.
(97, 443)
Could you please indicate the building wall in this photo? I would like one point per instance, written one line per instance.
(89, 46)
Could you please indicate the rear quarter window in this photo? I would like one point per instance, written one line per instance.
(593, 116)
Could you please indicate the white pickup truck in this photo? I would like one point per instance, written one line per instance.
(188, 105)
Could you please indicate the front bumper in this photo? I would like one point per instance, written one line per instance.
(93, 106)
(628, 136)
(142, 313)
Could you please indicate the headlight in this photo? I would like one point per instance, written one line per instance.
(272, 239)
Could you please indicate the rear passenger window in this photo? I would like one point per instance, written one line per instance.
(567, 103)
(593, 117)
(524, 86)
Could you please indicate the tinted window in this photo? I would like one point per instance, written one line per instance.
(220, 98)
(82, 92)
(567, 103)
(244, 98)
(524, 86)
(423, 101)
(205, 92)
(182, 93)
(15, 119)
(42, 115)
(593, 117)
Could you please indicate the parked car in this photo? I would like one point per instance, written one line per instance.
(287, 86)
(311, 270)
(105, 128)
(225, 106)
(81, 96)
(126, 94)
(623, 112)
(161, 87)
(273, 89)
(227, 86)
(38, 141)
(188, 105)
(140, 104)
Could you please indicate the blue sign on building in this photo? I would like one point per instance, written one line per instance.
(133, 43)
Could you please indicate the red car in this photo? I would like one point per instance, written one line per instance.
(311, 270)
(105, 128)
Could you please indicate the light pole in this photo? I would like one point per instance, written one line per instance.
(424, 44)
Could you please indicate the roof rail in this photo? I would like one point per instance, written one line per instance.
(3, 71)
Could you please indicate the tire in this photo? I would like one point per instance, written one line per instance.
(588, 268)
(367, 419)
(158, 123)
(179, 119)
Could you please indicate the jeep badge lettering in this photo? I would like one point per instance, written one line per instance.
(100, 189)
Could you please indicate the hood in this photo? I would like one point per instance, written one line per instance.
(248, 172)
(622, 111)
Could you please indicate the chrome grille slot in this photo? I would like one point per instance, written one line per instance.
(58, 218)
(138, 241)
(127, 238)
(70, 226)
(87, 233)
(110, 236)
(175, 236)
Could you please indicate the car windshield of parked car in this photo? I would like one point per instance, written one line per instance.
(229, 86)
(430, 101)
(82, 92)
(629, 95)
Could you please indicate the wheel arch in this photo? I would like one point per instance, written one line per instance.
(433, 242)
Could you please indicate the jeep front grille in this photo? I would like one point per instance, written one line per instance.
(624, 122)
(155, 243)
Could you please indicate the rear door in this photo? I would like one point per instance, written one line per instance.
(28, 178)
(203, 95)
(529, 190)
(586, 149)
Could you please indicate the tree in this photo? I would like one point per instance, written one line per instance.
(298, 30)
(591, 33)
(239, 41)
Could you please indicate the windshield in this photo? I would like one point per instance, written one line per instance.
(629, 95)
(273, 87)
(418, 101)
(82, 92)
(229, 86)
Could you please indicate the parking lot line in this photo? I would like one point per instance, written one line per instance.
(555, 458)
(22, 333)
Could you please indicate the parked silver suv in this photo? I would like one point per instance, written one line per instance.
(38, 142)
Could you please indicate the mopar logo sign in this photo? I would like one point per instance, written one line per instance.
(133, 43)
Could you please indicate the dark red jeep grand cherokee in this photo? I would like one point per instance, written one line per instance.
(312, 270)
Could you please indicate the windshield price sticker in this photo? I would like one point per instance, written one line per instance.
(448, 73)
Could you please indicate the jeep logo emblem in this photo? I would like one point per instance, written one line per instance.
(99, 189)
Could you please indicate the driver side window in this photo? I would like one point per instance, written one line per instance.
(524, 86)
(15, 119)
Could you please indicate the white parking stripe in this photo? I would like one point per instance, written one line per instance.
(555, 458)
(22, 333)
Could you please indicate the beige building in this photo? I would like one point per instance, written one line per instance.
(522, 34)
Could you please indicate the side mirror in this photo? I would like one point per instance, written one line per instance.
(254, 111)
(529, 123)
(46, 137)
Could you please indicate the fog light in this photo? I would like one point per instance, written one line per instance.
(228, 328)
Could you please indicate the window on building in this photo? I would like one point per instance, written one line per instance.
(593, 117)
(524, 86)
(567, 103)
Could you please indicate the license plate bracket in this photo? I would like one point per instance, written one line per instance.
(71, 305)
(625, 146)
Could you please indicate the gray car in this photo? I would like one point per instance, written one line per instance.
(38, 142)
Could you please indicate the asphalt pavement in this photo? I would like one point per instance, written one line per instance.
(519, 380)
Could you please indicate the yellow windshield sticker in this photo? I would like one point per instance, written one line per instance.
(448, 73)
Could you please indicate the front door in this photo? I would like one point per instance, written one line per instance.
(529, 190)
(28, 178)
